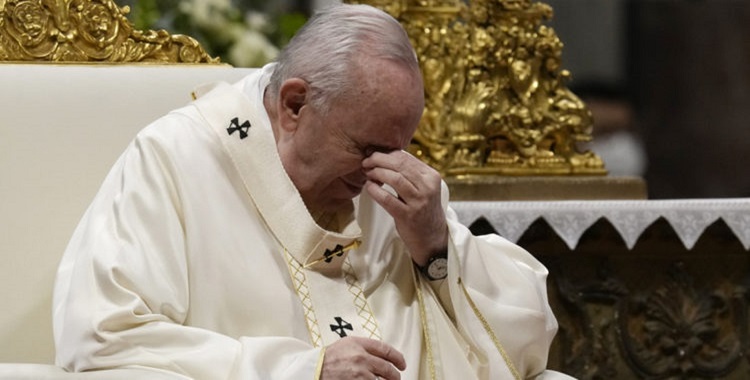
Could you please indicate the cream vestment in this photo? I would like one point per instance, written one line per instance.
(198, 257)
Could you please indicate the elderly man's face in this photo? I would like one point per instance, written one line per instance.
(325, 162)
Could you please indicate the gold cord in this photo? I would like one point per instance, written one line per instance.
(425, 329)
(490, 332)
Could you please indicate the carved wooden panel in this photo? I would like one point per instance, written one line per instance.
(658, 311)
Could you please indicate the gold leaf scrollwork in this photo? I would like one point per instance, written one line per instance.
(86, 31)
(496, 100)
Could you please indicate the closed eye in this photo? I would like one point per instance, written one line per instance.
(370, 149)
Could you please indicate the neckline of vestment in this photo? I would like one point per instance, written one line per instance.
(254, 155)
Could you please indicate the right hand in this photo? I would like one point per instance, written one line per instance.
(362, 358)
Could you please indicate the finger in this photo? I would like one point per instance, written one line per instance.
(395, 160)
(403, 185)
(389, 201)
(384, 369)
(385, 351)
(421, 175)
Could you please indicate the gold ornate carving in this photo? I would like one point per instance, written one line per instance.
(86, 31)
(496, 95)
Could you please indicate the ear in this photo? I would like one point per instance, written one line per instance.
(293, 96)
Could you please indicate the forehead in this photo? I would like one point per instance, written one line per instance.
(386, 105)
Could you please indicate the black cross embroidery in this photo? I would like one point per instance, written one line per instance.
(235, 126)
(338, 251)
(340, 326)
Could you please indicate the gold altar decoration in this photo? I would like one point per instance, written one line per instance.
(496, 101)
(86, 31)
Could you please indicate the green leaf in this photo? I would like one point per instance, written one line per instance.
(289, 24)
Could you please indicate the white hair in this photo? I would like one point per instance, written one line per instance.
(333, 42)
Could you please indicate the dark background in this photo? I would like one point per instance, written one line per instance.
(679, 71)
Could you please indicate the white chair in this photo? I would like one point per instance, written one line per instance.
(61, 128)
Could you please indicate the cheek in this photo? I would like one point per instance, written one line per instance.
(332, 167)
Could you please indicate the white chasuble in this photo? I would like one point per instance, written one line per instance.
(333, 301)
(199, 258)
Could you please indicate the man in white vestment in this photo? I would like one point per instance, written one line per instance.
(276, 229)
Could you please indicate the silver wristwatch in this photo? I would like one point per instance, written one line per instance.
(437, 267)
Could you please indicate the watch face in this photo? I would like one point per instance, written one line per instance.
(438, 269)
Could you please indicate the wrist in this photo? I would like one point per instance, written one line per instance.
(436, 266)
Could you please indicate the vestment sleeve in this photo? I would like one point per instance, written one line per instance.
(122, 293)
(498, 297)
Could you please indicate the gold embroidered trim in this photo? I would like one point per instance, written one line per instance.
(490, 332)
(319, 366)
(360, 301)
(299, 280)
(352, 245)
(423, 319)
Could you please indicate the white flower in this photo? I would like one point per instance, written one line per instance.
(257, 21)
(219, 22)
(208, 14)
(252, 50)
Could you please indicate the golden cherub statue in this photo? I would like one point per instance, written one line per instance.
(496, 96)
